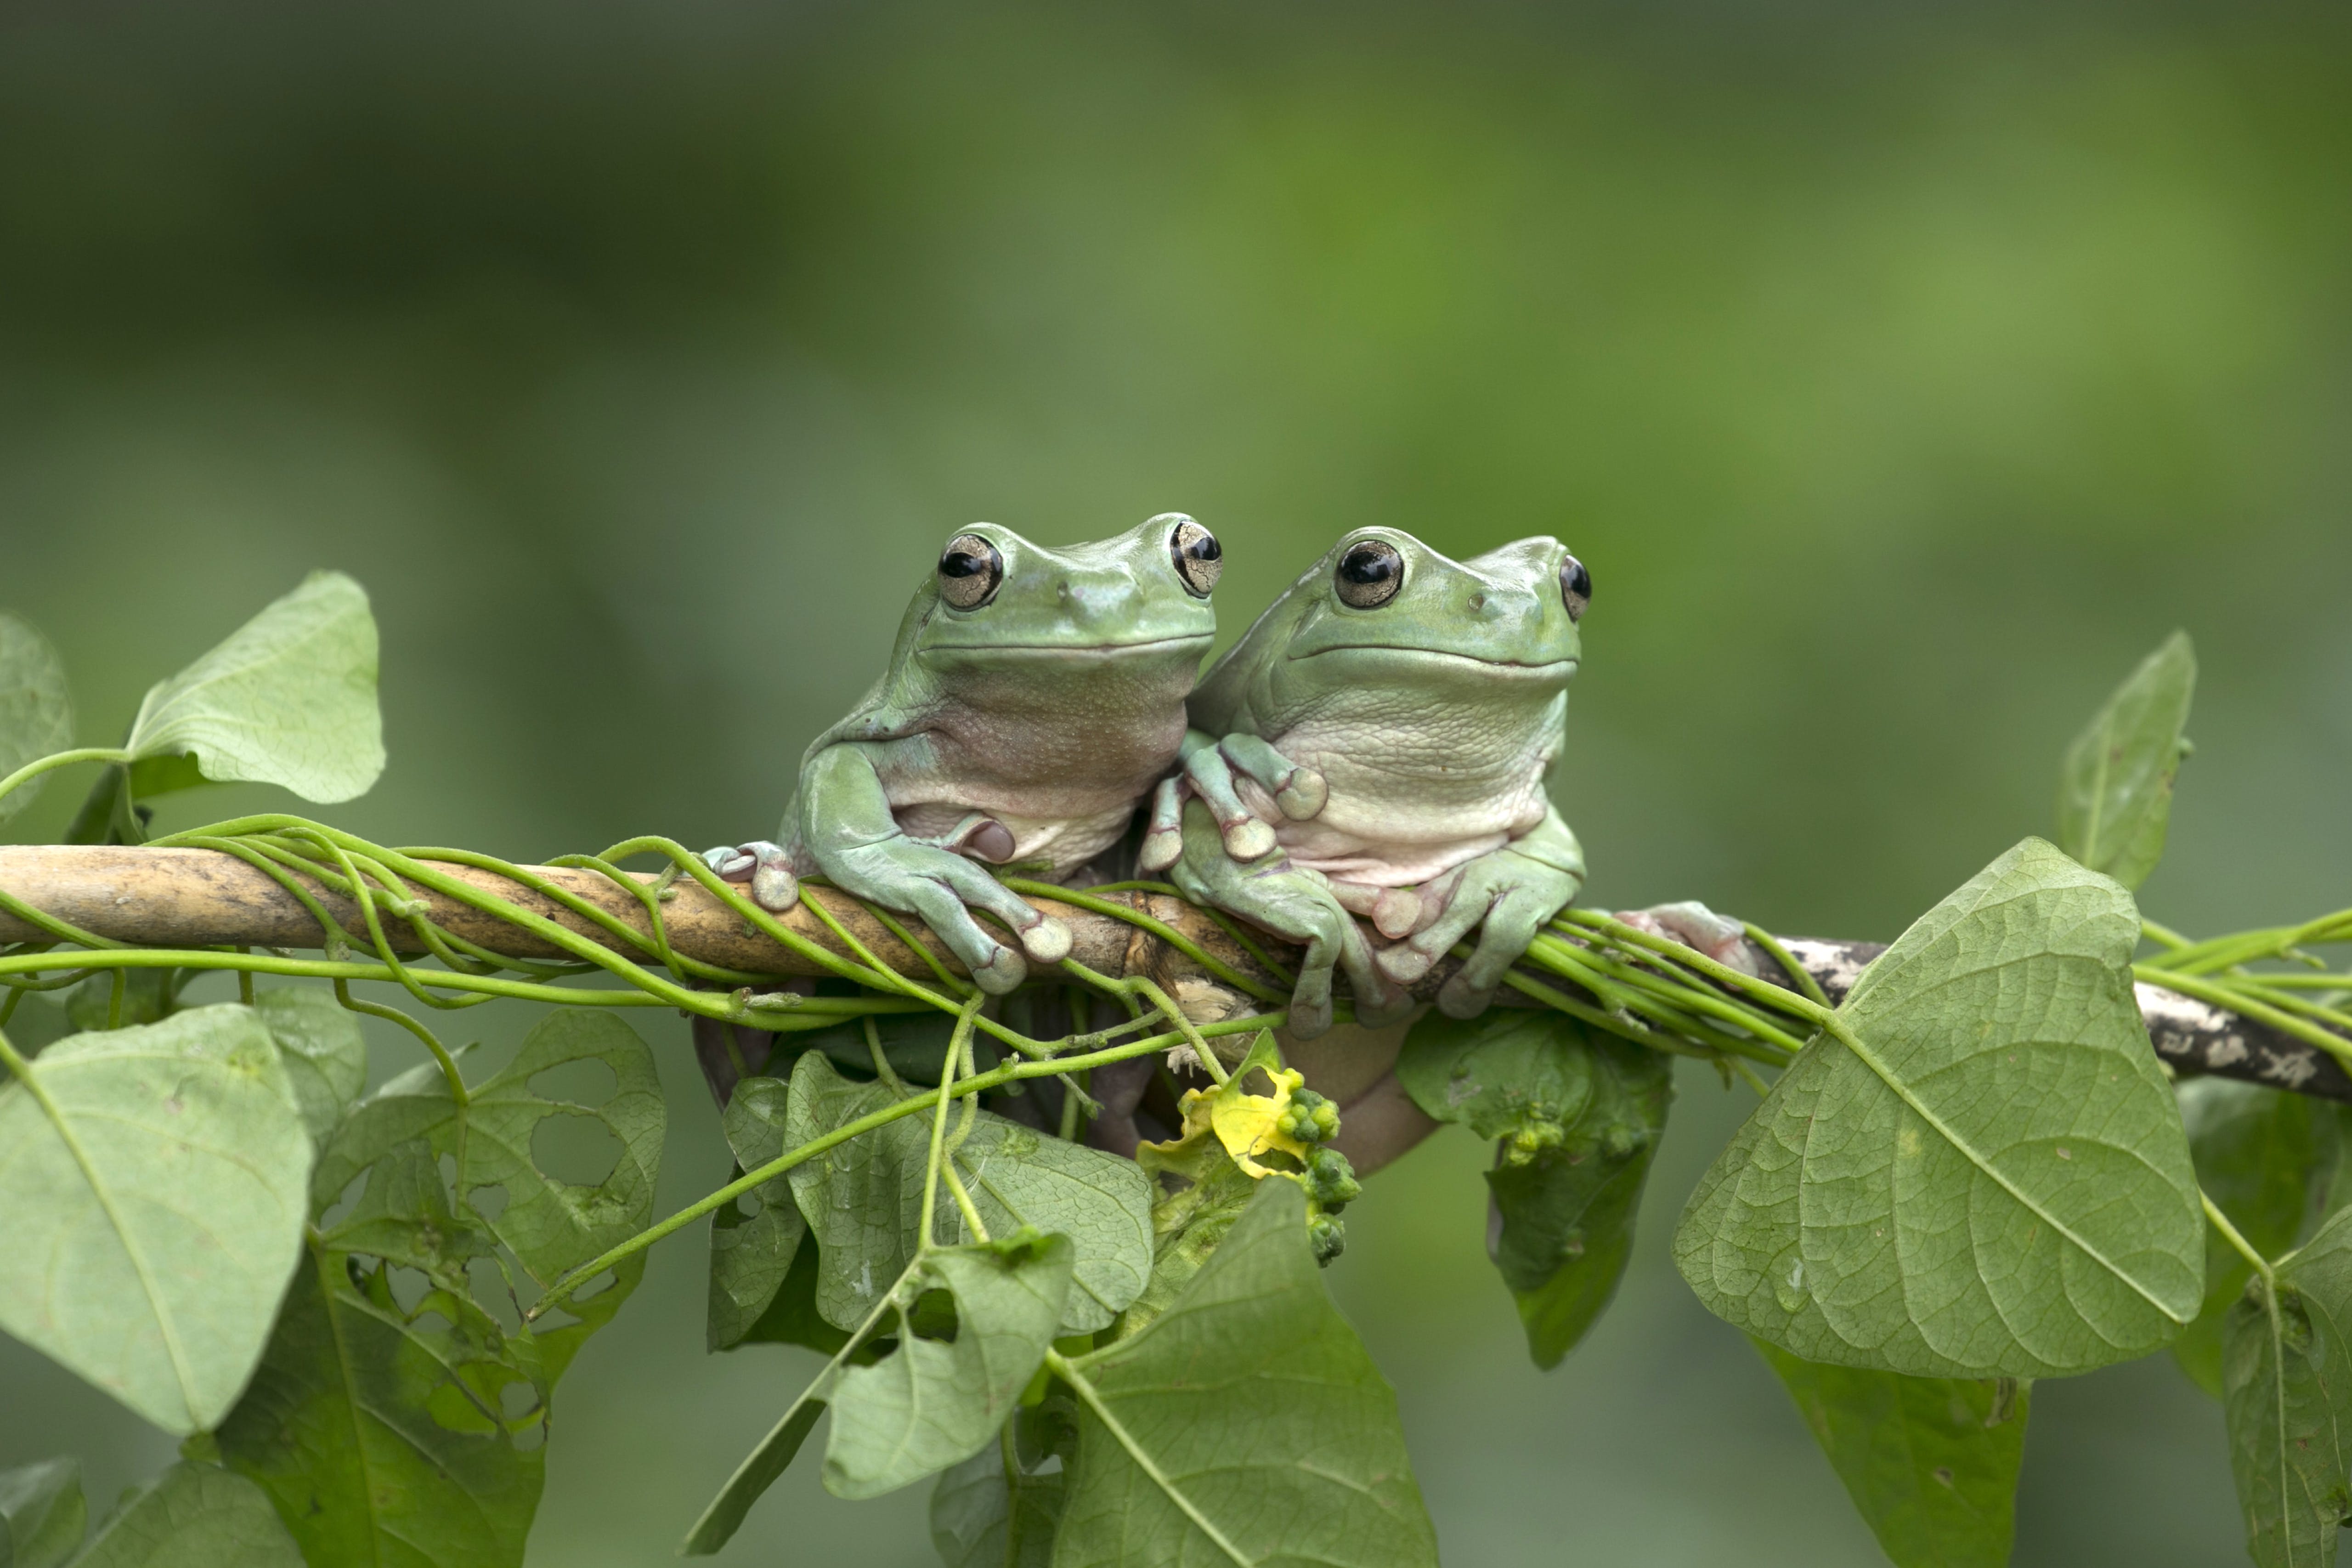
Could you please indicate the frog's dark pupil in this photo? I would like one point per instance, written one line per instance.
(1203, 547)
(1580, 581)
(956, 563)
(1367, 565)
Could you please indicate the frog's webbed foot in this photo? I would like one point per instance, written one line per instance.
(1695, 926)
(1293, 903)
(1507, 897)
(942, 887)
(764, 866)
(1209, 774)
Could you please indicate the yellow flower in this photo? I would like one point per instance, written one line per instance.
(1247, 1125)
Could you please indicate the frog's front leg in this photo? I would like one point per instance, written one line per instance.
(1207, 770)
(1296, 904)
(1507, 895)
(847, 830)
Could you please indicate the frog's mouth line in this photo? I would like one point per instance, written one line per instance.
(1508, 668)
(1086, 648)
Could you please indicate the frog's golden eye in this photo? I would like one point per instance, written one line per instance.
(1575, 587)
(970, 571)
(1370, 575)
(1200, 558)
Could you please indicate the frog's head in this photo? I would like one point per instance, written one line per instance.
(995, 598)
(1383, 607)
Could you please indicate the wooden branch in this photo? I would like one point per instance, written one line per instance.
(200, 898)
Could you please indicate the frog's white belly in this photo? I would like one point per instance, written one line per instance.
(1066, 843)
(1398, 817)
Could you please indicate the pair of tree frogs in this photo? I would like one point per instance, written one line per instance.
(1375, 745)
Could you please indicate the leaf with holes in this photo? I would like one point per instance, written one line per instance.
(1930, 1462)
(290, 699)
(2286, 1375)
(2114, 788)
(932, 1403)
(36, 709)
(1989, 1177)
(548, 1222)
(153, 1179)
(326, 1059)
(752, 1255)
(193, 1516)
(2265, 1157)
(1245, 1423)
(43, 1515)
(393, 1421)
(1507, 1072)
(864, 1198)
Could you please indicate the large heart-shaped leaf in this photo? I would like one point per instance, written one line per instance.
(1245, 1424)
(1987, 1176)
(36, 709)
(864, 1198)
(931, 1404)
(43, 1515)
(2114, 788)
(195, 1516)
(290, 699)
(1930, 1462)
(393, 1422)
(2264, 1156)
(548, 1222)
(153, 1182)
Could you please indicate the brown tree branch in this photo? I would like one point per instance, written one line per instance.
(200, 898)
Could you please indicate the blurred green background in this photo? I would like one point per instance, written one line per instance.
(1902, 374)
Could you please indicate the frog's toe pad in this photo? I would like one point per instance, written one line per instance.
(1456, 1000)
(1304, 796)
(1402, 964)
(1160, 850)
(774, 888)
(1249, 840)
(1047, 942)
(1396, 912)
(1000, 974)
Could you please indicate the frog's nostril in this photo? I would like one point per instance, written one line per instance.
(1478, 600)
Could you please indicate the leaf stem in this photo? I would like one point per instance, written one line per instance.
(2231, 1234)
(40, 765)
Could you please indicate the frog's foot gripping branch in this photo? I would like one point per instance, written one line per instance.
(203, 907)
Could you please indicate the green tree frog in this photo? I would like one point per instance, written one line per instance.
(1387, 726)
(1032, 699)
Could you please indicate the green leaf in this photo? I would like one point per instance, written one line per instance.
(1244, 1423)
(318, 1040)
(1578, 1116)
(2114, 788)
(1566, 1211)
(499, 1139)
(35, 709)
(864, 1198)
(146, 999)
(1508, 1071)
(154, 1178)
(1991, 1180)
(194, 1517)
(36, 1024)
(752, 1255)
(42, 1514)
(2260, 1154)
(987, 1514)
(791, 1317)
(290, 699)
(1931, 1463)
(2287, 1396)
(393, 1422)
(931, 1404)
(755, 1475)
